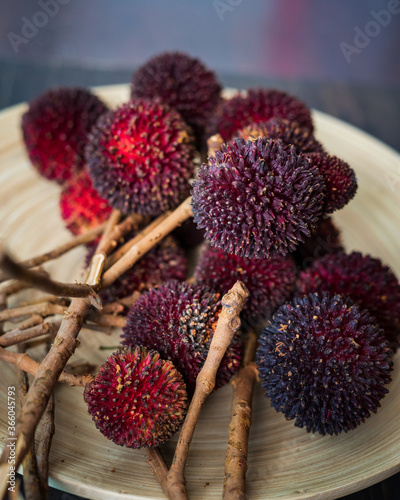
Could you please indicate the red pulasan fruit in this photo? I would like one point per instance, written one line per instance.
(257, 105)
(81, 206)
(137, 399)
(140, 157)
(56, 128)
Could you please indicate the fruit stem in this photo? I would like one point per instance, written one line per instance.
(24, 362)
(62, 249)
(38, 280)
(227, 325)
(47, 374)
(146, 242)
(157, 465)
(239, 429)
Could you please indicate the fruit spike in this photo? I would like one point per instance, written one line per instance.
(288, 132)
(55, 130)
(270, 281)
(257, 105)
(140, 157)
(340, 180)
(182, 82)
(164, 262)
(257, 198)
(178, 320)
(324, 362)
(368, 282)
(81, 206)
(137, 399)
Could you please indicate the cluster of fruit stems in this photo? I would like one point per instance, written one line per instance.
(105, 268)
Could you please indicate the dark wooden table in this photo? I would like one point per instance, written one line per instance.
(375, 110)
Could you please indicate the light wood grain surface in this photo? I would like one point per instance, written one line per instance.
(284, 462)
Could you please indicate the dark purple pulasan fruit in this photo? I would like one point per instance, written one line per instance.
(340, 180)
(288, 132)
(188, 234)
(182, 82)
(137, 399)
(178, 320)
(55, 130)
(140, 157)
(257, 105)
(366, 280)
(257, 199)
(325, 239)
(324, 362)
(270, 281)
(81, 207)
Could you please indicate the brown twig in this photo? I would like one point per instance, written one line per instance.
(228, 323)
(250, 347)
(130, 299)
(43, 309)
(18, 335)
(62, 249)
(33, 320)
(108, 320)
(46, 433)
(5, 292)
(13, 270)
(175, 219)
(158, 467)
(31, 478)
(239, 428)
(12, 287)
(48, 298)
(214, 143)
(109, 242)
(129, 244)
(80, 369)
(3, 305)
(47, 375)
(46, 339)
(113, 308)
(24, 362)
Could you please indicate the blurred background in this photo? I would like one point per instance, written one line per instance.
(340, 57)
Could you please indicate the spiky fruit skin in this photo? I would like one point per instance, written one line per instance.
(182, 82)
(324, 362)
(81, 206)
(257, 199)
(270, 281)
(140, 157)
(325, 239)
(369, 283)
(55, 130)
(257, 105)
(166, 261)
(288, 132)
(178, 320)
(340, 180)
(137, 399)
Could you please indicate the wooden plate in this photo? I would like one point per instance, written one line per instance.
(284, 461)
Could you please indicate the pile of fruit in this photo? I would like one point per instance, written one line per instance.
(318, 328)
